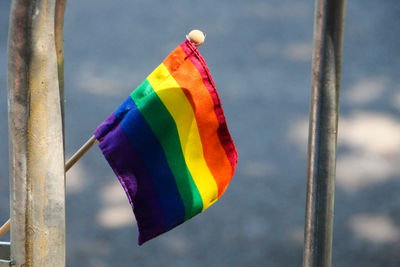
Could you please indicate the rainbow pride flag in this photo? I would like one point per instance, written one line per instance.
(169, 144)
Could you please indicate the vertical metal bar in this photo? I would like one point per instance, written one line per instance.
(59, 37)
(324, 108)
(37, 184)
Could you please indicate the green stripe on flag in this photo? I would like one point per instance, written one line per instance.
(164, 128)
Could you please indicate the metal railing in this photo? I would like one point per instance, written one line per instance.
(36, 87)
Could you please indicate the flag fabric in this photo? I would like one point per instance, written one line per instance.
(169, 145)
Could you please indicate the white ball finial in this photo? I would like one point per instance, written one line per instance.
(196, 37)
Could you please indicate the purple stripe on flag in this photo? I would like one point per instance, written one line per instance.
(141, 136)
(135, 179)
(110, 123)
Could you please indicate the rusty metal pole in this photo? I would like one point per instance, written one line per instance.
(37, 183)
(324, 112)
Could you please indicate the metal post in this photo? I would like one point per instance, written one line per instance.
(325, 87)
(37, 184)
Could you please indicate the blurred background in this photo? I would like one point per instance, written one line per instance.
(259, 53)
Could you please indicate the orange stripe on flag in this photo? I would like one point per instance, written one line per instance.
(207, 122)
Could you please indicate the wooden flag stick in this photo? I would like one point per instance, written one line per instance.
(82, 151)
(4, 228)
(71, 162)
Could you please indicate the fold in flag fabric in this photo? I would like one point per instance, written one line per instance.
(169, 144)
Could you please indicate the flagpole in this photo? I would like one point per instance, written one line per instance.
(323, 124)
(4, 228)
(71, 162)
(79, 154)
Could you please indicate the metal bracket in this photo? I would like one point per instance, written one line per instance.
(5, 254)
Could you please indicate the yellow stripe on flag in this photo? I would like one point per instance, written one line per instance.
(175, 100)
